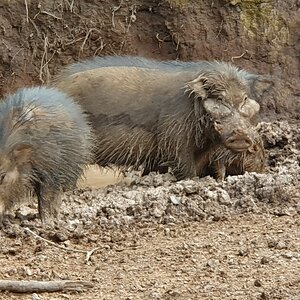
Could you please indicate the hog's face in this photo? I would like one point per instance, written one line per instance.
(11, 166)
(234, 131)
(225, 100)
(8, 173)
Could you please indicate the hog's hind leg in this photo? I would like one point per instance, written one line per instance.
(49, 202)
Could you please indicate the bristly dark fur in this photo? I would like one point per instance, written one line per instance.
(57, 136)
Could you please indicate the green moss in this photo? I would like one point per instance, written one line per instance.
(177, 3)
(6, 2)
(261, 19)
(248, 2)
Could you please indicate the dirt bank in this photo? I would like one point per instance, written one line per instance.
(42, 36)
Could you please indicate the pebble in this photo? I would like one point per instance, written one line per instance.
(36, 297)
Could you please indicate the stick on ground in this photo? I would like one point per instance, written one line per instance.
(16, 286)
(87, 252)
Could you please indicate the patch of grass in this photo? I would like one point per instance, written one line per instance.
(260, 17)
(177, 3)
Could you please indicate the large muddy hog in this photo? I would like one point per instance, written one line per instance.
(157, 116)
(45, 144)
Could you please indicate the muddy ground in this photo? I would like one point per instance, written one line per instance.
(156, 238)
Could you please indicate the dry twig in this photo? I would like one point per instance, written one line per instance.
(26, 8)
(16, 54)
(74, 41)
(160, 41)
(86, 38)
(35, 27)
(71, 5)
(44, 58)
(132, 19)
(88, 253)
(16, 286)
(100, 48)
(49, 14)
(177, 42)
(114, 9)
(239, 56)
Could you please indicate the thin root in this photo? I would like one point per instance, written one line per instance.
(45, 61)
(114, 9)
(86, 38)
(100, 48)
(239, 56)
(160, 41)
(26, 8)
(49, 14)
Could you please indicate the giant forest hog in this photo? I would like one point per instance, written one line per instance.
(45, 143)
(163, 114)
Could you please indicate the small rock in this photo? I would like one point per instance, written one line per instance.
(257, 283)
(157, 212)
(167, 231)
(12, 251)
(264, 260)
(289, 255)
(28, 271)
(281, 245)
(36, 297)
(12, 271)
(190, 187)
(175, 200)
(272, 243)
(58, 237)
(264, 296)
(155, 295)
(224, 198)
(217, 217)
(243, 252)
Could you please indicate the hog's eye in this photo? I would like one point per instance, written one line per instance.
(220, 99)
(245, 98)
(2, 176)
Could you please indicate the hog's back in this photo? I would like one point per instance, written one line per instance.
(136, 96)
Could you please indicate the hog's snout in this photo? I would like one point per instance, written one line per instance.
(239, 141)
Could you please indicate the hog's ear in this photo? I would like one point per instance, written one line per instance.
(216, 109)
(21, 154)
(259, 85)
(197, 87)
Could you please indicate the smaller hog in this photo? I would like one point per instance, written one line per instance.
(225, 162)
(45, 144)
(219, 161)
